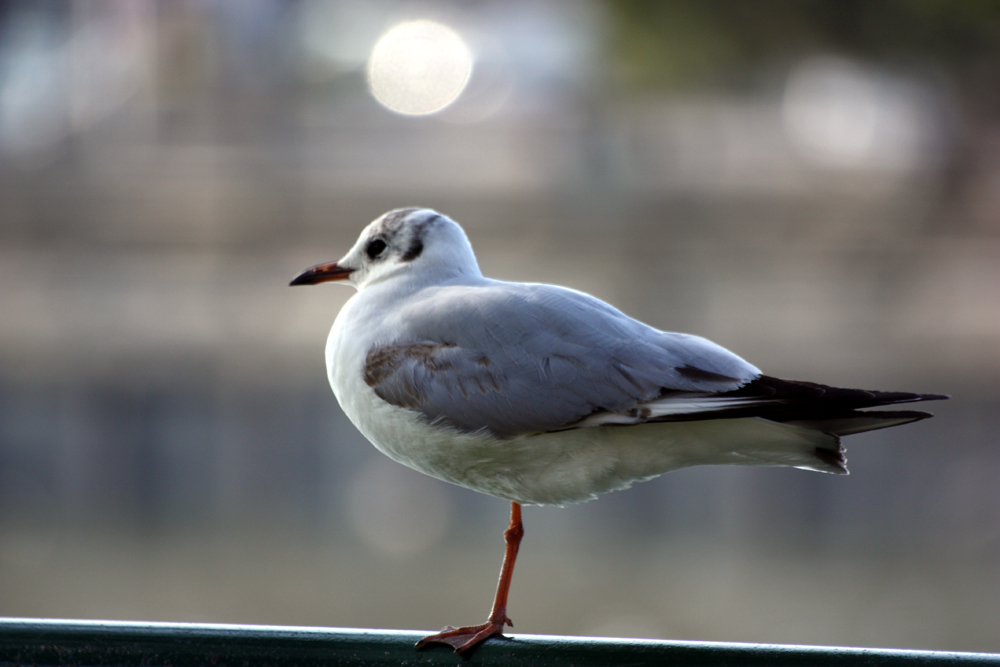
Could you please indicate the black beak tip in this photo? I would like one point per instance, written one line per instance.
(321, 273)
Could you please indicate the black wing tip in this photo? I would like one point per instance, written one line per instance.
(793, 390)
(909, 415)
(932, 397)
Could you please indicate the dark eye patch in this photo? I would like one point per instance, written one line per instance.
(416, 247)
(375, 248)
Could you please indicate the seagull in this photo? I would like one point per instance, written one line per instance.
(544, 395)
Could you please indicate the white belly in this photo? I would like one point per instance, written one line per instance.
(566, 466)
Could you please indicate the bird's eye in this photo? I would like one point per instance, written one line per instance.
(375, 248)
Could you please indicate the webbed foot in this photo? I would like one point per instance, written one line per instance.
(465, 638)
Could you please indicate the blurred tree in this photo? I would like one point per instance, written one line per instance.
(689, 43)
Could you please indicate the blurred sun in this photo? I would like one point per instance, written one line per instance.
(419, 67)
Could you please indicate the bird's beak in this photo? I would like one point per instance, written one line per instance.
(322, 273)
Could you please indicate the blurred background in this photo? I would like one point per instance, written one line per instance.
(814, 185)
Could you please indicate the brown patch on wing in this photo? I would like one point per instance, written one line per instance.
(421, 376)
(381, 362)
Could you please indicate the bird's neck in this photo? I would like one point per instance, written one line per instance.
(403, 284)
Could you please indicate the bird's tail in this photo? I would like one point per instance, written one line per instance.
(829, 454)
(858, 421)
(811, 419)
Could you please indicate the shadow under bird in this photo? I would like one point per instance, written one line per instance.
(544, 395)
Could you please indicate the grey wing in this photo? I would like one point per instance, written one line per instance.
(514, 359)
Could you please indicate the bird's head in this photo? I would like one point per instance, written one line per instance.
(407, 243)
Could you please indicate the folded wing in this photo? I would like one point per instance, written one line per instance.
(518, 359)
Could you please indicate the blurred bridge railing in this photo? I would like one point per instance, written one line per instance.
(56, 642)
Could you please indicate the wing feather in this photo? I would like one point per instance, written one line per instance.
(523, 359)
(512, 359)
(509, 359)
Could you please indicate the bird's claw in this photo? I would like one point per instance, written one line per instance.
(466, 638)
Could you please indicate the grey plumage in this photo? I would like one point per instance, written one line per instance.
(560, 359)
(555, 357)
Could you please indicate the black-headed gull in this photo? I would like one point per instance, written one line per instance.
(543, 395)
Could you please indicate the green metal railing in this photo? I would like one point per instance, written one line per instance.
(45, 642)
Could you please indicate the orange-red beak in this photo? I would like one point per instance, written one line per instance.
(321, 273)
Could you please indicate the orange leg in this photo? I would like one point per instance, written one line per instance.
(463, 639)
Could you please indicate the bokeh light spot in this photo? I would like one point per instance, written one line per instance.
(841, 114)
(419, 67)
